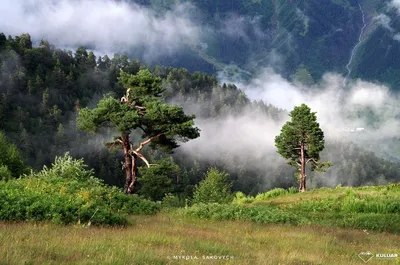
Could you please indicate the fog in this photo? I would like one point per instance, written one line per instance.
(106, 26)
(339, 109)
(117, 26)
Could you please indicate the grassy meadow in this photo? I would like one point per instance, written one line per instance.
(317, 227)
(157, 239)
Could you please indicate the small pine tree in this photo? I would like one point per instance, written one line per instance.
(5, 173)
(215, 188)
(11, 159)
(156, 182)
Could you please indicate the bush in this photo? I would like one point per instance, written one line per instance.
(263, 215)
(214, 188)
(173, 201)
(68, 193)
(271, 194)
(240, 197)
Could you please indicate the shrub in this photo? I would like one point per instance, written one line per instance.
(240, 197)
(214, 188)
(173, 201)
(68, 193)
(271, 194)
(66, 167)
(264, 215)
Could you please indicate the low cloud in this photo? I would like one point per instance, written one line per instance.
(395, 4)
(105, 25)
(336, 107)
(384, 21)
(250, 135)
(239, 26)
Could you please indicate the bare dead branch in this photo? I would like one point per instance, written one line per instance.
(311, 159)
(117, 143)
(139, 107)
(143, 158)
(130, 187)
(125, 98)
(142, 144)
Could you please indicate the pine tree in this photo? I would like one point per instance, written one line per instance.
(141, 108)
(300, 142)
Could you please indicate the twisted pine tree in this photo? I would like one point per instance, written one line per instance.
(300, 142)
(141, 108)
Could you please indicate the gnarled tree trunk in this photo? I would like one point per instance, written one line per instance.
(130, 166)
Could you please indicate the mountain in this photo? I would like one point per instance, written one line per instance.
(379, 56)
(301, 39)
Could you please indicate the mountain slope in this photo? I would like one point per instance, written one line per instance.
(312, 35)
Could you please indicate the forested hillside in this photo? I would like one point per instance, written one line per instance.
(42, 88)
(378, 58)
(300, 39)
(296, 37)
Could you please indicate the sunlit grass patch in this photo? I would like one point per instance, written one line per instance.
(375, 208)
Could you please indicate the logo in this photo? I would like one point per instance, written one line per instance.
(386, 256)
(366, 256)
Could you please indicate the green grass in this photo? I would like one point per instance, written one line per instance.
(237, 212)
(280, 227)
(373, 208)
(157, 239)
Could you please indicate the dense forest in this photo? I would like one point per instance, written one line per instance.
(43, 87)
